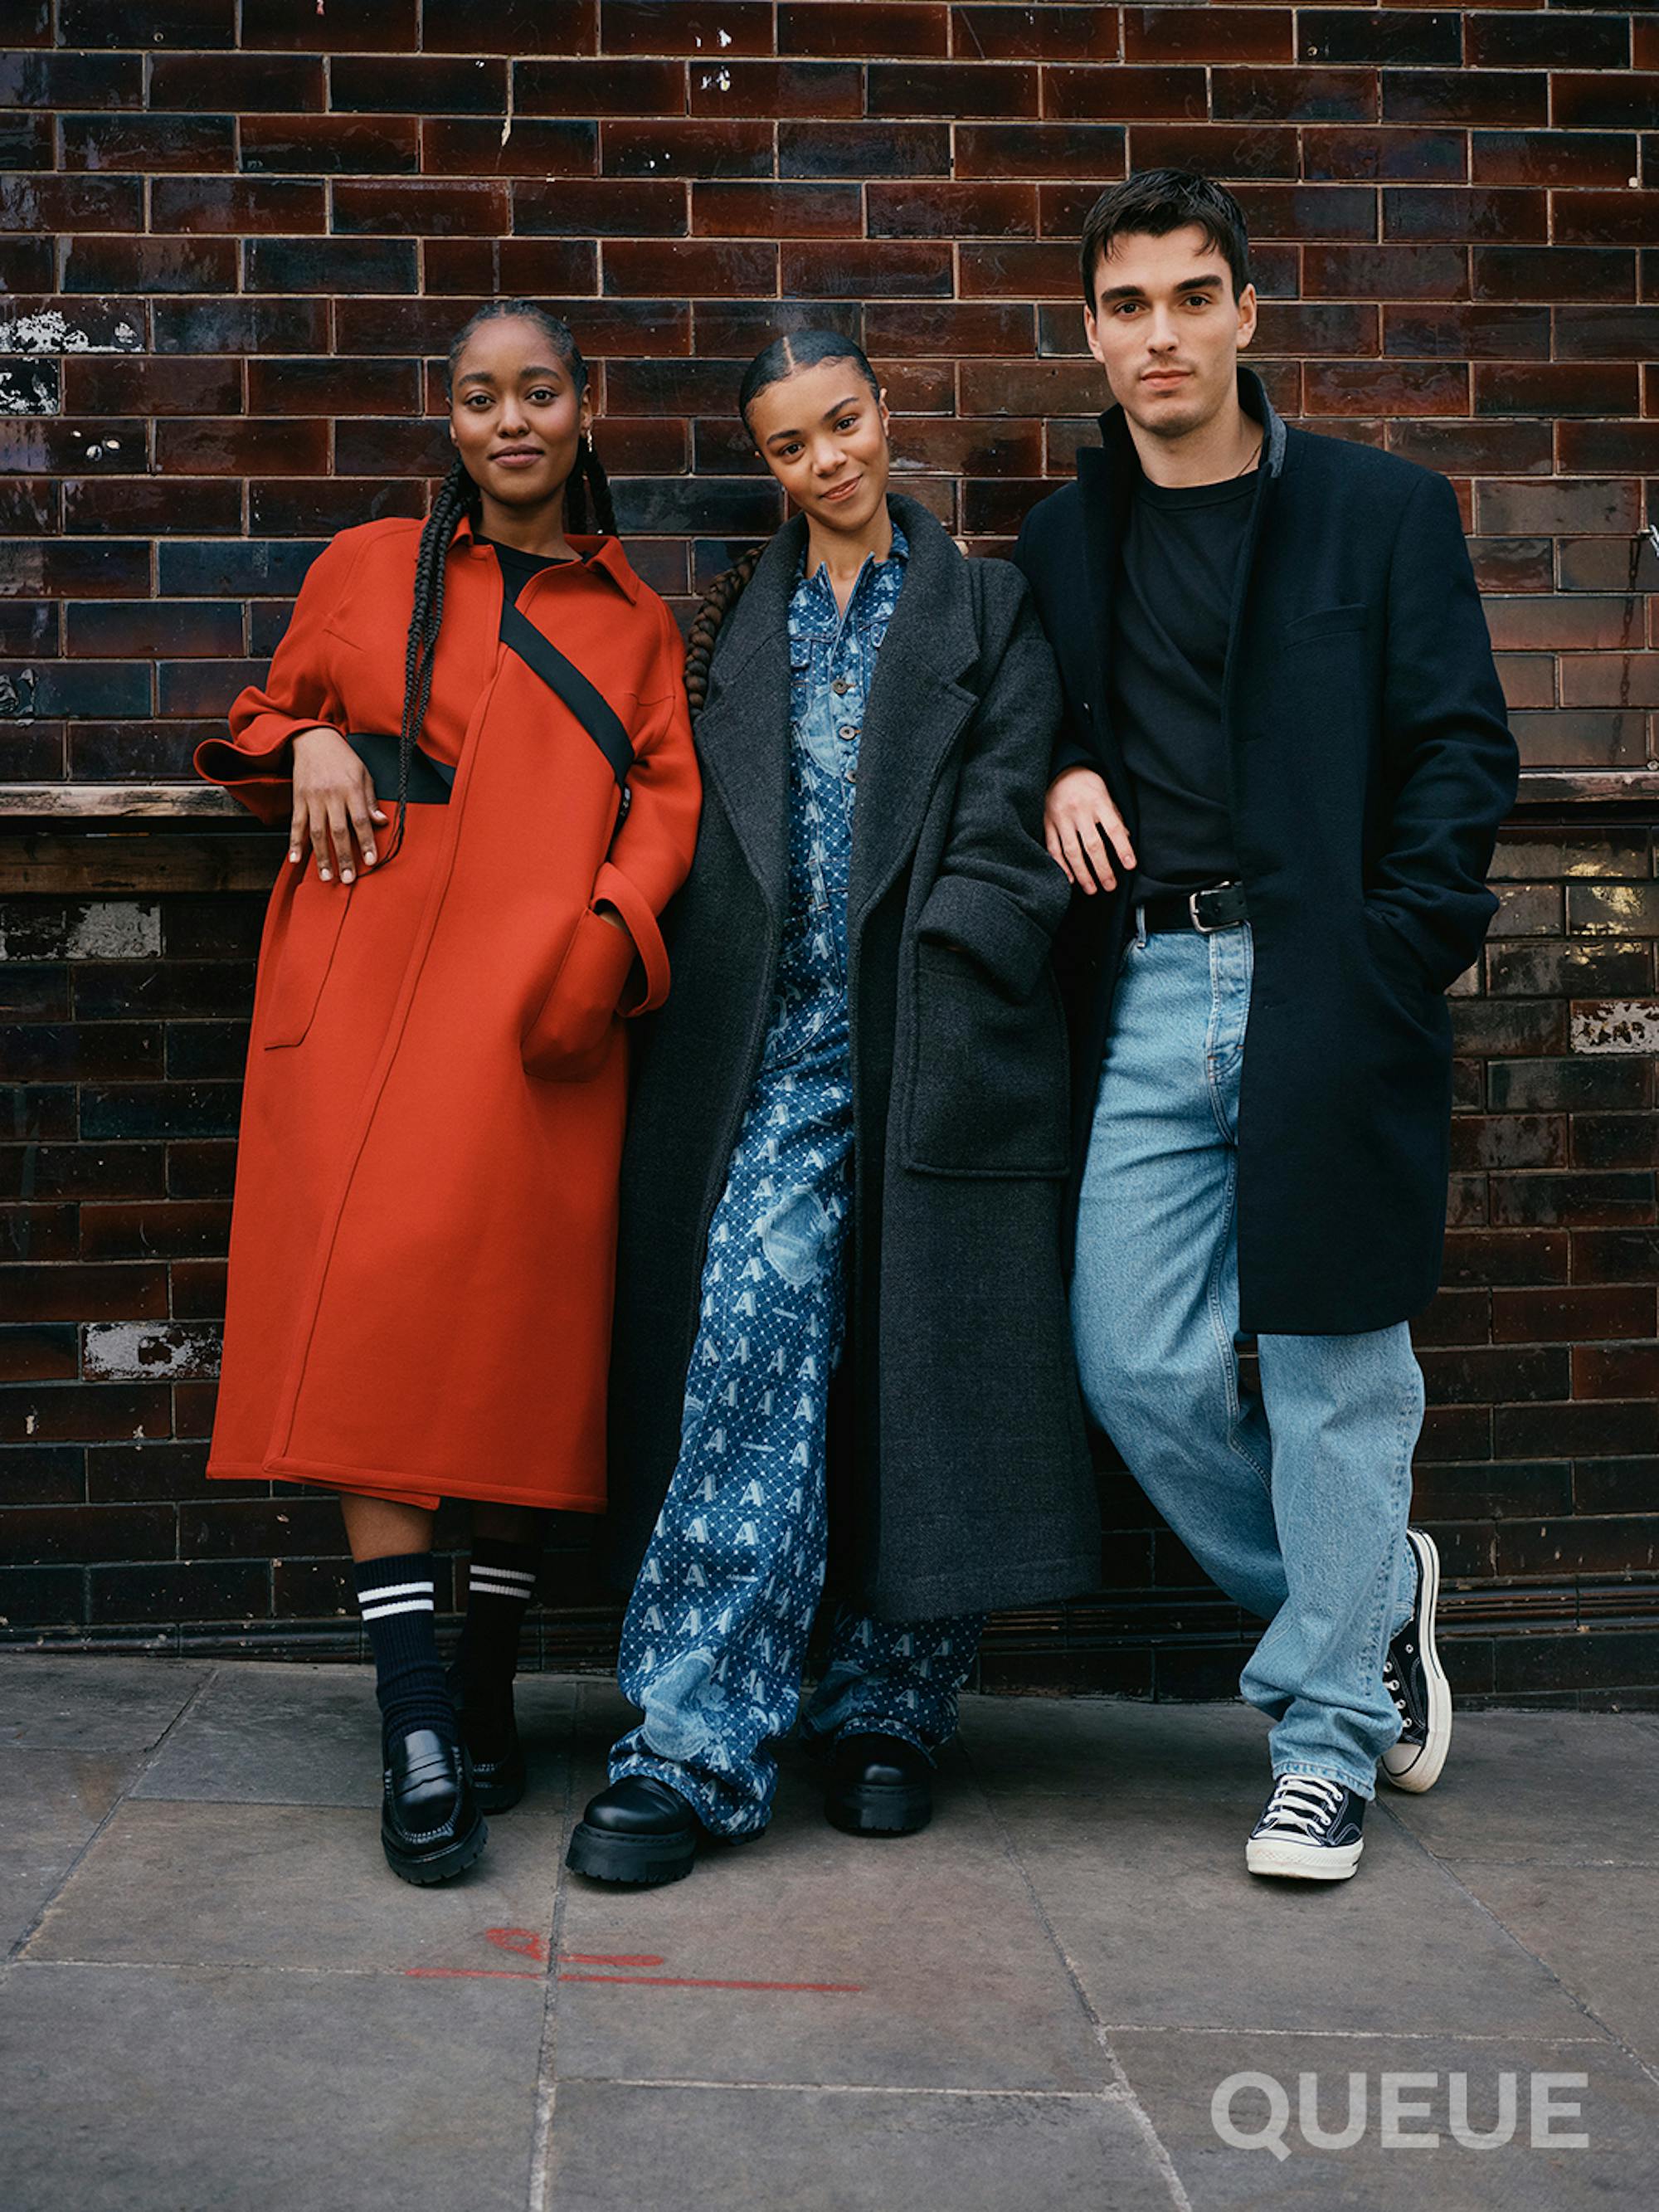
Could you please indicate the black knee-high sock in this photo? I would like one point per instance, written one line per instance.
(396, 1595)
(500, 1581)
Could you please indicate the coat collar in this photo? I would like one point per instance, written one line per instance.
(1107, 475)
(602, 555)
(915, 706)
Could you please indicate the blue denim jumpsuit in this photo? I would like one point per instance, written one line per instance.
(716, 1629)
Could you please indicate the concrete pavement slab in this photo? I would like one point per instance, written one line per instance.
(310, 1735)
(127, 2089)
(1176, 2076)
(1164, 1927)
(1516, 1786)
(1596, 1928)
(912, 1962)
(635, 2148)
(51, 1802)
(1105, 1747)
(194, 1884)
(90, 1704)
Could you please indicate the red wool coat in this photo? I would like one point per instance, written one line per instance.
(422, 1242)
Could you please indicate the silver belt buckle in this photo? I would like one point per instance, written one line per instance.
(1210, 928)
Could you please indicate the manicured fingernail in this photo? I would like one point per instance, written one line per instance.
(345, 875)
(323, 872)
(369, 860)
(293, 856)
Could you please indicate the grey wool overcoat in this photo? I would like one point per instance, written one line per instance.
(959, 1475)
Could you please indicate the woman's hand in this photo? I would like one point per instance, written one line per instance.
(1082, 829)
(333, 801)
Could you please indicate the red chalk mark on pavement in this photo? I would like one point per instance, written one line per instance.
(524, 1941)
(697, 1982)
(607, 1958)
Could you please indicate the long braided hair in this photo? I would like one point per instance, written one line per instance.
(787, 353)
(587, 503)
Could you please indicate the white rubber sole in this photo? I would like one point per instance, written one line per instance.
(1421, 1768)
(1278, 1855)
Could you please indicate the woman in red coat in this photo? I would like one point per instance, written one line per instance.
(422, 1246)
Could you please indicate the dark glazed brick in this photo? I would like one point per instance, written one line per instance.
(331, 265)
(1005, 34)
(1119, 94)
(1380, 34)
(828, 148)
(81, 1413)
(517, 26)
(166, 23)
(537, 147)
(949, 211)
(1387, 155)
(1533, 1316)
(255, 326)
(1470, 96)
(428, 84)
(334, 145)
(70, 202)
(1386, 388)
(1552, 157)
(150, 142)
(607, 88)
(1419, 211)
(1297, 95)
(1606, 218)
(1569, 41)
(237, 80)
(740, 210)
(845, 27)
(782, 89)
(678, 148)
(160, 1109)
(661, 26)
(957, 93)
(101, 384)
(1588, 1201)
(1096, 151)
(836, 271)
(68, 80)
(1605, 101)
(1389, 272)
(1507, 1256)
(406, 208)
(1207, 34)
(618, 206)
(697, 269)
(175, 1592)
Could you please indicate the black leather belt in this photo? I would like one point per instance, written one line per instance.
(1221, 907)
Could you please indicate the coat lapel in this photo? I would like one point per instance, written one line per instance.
(743, 732)
(916, 707)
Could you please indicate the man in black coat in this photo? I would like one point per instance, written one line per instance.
(1283, 766)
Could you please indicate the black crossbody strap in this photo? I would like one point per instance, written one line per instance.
(430, 779)
(591, 709)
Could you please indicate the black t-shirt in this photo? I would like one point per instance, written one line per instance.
(1169, 621)
(517, 568)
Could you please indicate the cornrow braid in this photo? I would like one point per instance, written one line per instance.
(455, 497)
(717, 603)
(587, 494)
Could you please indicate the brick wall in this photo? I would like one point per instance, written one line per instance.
(230, 255)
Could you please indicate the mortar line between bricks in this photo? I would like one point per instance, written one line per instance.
(121, 1796)
(1125, 2093)
(1525, 1949)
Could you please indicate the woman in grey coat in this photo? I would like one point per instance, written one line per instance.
(840, 1332)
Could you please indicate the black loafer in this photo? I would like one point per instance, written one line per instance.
(879, 1785)
(493, 1747)
(638, 1831)
(430, 1824)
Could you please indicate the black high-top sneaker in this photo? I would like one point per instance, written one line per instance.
(1416, 1682)
(1309, 1830)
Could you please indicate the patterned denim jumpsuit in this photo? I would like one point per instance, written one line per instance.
(716, 1630)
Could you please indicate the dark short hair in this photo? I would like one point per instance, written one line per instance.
(1154, 201)
(800, 350)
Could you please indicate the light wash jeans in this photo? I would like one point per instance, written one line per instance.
(1296, 1501)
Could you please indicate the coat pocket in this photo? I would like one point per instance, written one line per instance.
(304, 955)
(566, 1038)
(988, 1084)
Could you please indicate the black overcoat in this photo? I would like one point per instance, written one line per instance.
(960, 1475)
(1371, 765)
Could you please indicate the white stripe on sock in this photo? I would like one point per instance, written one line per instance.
(485, 1581)
(395, 1589)
(409, 1605)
